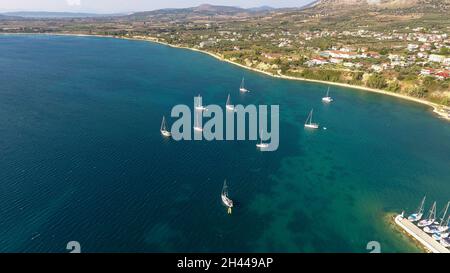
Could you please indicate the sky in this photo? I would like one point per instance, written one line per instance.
(112, 6)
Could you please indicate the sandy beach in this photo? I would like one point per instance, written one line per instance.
(441, 111)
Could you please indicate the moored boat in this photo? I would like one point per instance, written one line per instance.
(418, 215)
(442, 225)
(327, 98)
(229, 106)
(225, 199)
(431, 217)
(163, 129)
(262, 145)
(309, 123)
(242, 88)
(199, 106)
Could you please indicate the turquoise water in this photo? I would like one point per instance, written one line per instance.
(82, 159)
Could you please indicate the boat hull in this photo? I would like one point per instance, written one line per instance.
(415, 217)
(425, 223)
(262, 146)
(327, 99)
(166, 133)
(227, 201)
(312, 126)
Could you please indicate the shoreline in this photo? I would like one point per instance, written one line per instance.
(418, 236)
(441, 111)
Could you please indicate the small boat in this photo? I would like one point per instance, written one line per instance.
(431, 217)
(197, 126)
(309, 124)
(262, 145)
(440, 236)
(442, 226)
(163, 130)
(327, 98)
(242, 88)
(228, 105)
(445, 242)
(199, 106)
(225, 199)
(418, 215)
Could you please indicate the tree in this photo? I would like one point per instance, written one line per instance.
(444, 51)
(376, 81)
(394, 86)
(418, 91)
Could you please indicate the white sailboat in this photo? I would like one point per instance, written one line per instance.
(228, 105)
(444, 231)
(197, 126)
(163, 129)
(225, 199)
(242, 88)
(199, 106)
(445, 242)
(431, 217)
(442, 226)
(327, 98)
(262, 145)
(309, 123)
(418, 215)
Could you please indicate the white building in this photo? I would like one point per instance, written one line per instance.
(436, 58)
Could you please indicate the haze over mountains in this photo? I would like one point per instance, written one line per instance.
(207, 10)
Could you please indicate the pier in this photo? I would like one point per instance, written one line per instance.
(426, 240)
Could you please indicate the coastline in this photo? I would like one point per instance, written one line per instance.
(440, 111)
(436, 107)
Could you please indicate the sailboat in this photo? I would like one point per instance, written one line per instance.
(242, 88)
(431, 217)
(327, 98)
(444, 230)
(445, 242)
(309, 124)
(164, 131)
(225, 199)
(228, 105)
(442, 226)
(200, 107)
(262, 145)
(197, 126)
(418, 215)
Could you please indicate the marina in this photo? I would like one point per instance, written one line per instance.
(423, 238)
(429, 232)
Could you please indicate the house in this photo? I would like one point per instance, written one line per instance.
(436, 58)
(427, 72)
(446, 61)
(317, 61)
(272, 56)
(371, 54)
(442, 75)
(342, 54)
(412, 47)
(335, 60)
(376, 68)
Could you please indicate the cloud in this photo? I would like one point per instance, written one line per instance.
(73, 3)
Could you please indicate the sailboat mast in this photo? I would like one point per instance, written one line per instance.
(420, 210)
(445, 213)
(163, 123)
(432, 212)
